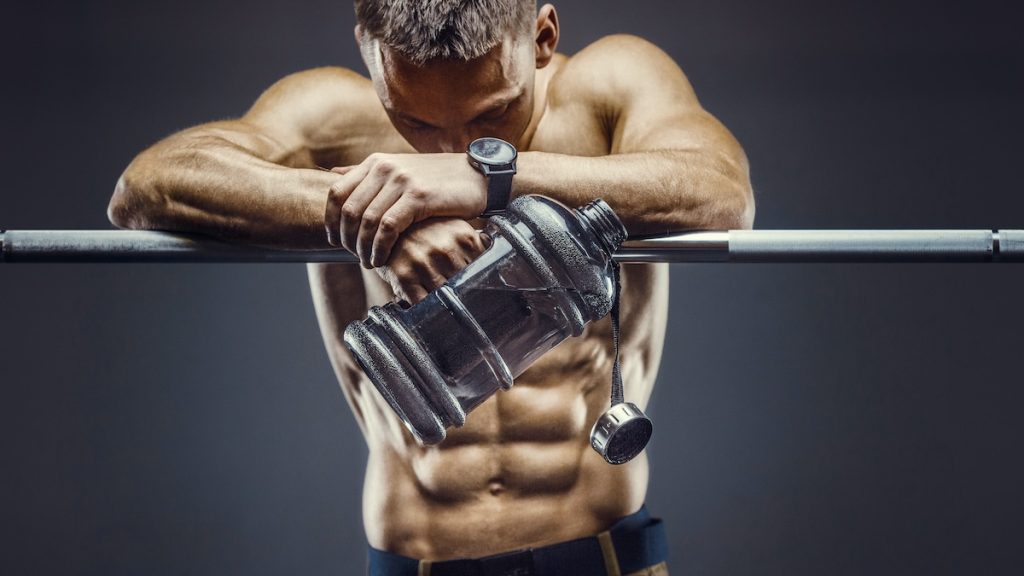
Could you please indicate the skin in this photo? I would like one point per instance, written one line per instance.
(328, 159)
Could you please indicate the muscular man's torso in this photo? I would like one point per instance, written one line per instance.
(521, 471)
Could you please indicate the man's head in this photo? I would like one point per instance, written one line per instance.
(450, 71)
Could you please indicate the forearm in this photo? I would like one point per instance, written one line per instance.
(657, 191)
(201, 183)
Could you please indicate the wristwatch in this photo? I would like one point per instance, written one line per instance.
(496, 160)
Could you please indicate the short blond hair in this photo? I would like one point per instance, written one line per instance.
(423, 30)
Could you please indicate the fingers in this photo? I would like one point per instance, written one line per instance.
(349, 196)
(336, 197)
(413, 279)
(371, 222)
(428, 254)
(473, 243)
(372, 206)
(352, 211)
(369, 208)
(396, 220)
(432, 267)
(463, 249)
(429, 278)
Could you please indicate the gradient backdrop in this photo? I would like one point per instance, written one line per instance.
(811, 419)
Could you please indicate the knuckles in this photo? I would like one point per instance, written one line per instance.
(350, 212)
(388, 225)
(370, 218)
(334, 193)
(416, 193)
(448, 255)
(470, 242)
(384, 167)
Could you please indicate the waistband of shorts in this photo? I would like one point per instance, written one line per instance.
(633, 543)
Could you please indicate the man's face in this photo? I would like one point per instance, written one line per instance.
(442, 106)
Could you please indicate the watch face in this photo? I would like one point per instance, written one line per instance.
(492, 151)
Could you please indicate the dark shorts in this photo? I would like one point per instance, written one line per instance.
(635, 544)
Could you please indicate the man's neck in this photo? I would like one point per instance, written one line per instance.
(540, 100)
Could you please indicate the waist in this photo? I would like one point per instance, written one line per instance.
(634, 542)
(462, 510)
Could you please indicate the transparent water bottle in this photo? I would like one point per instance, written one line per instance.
(547, 273)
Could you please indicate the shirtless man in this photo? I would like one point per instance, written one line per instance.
(618, 121)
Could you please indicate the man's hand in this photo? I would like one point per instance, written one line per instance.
(376, 201)
(428, 254)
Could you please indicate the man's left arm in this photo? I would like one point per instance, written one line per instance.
(672, 166)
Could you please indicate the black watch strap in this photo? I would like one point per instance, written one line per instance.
(499, 189)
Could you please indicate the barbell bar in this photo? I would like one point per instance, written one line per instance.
(123, 246)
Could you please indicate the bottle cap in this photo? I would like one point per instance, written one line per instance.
(621, 433)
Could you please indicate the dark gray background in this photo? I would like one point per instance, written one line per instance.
(811, 419)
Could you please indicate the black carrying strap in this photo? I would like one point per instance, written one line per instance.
(617, 388)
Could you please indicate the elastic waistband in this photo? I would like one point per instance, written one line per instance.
(631, 544)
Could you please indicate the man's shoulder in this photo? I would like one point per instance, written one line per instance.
(337, 75)
(615, 45)
(329, 107)
(617, 52)
(328, 84)
(610, 65)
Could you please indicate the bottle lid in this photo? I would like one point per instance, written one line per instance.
(621, 433)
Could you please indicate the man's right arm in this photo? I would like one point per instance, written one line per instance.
(253, 179)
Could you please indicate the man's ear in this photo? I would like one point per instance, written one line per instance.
(546, 34)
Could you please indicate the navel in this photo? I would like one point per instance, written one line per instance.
(496, 486)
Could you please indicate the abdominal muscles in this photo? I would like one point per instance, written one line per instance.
(520, 473)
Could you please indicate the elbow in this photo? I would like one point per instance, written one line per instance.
(732, 209)
(732, 205)
(739, 210)
(117, 209)
(127, 206)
